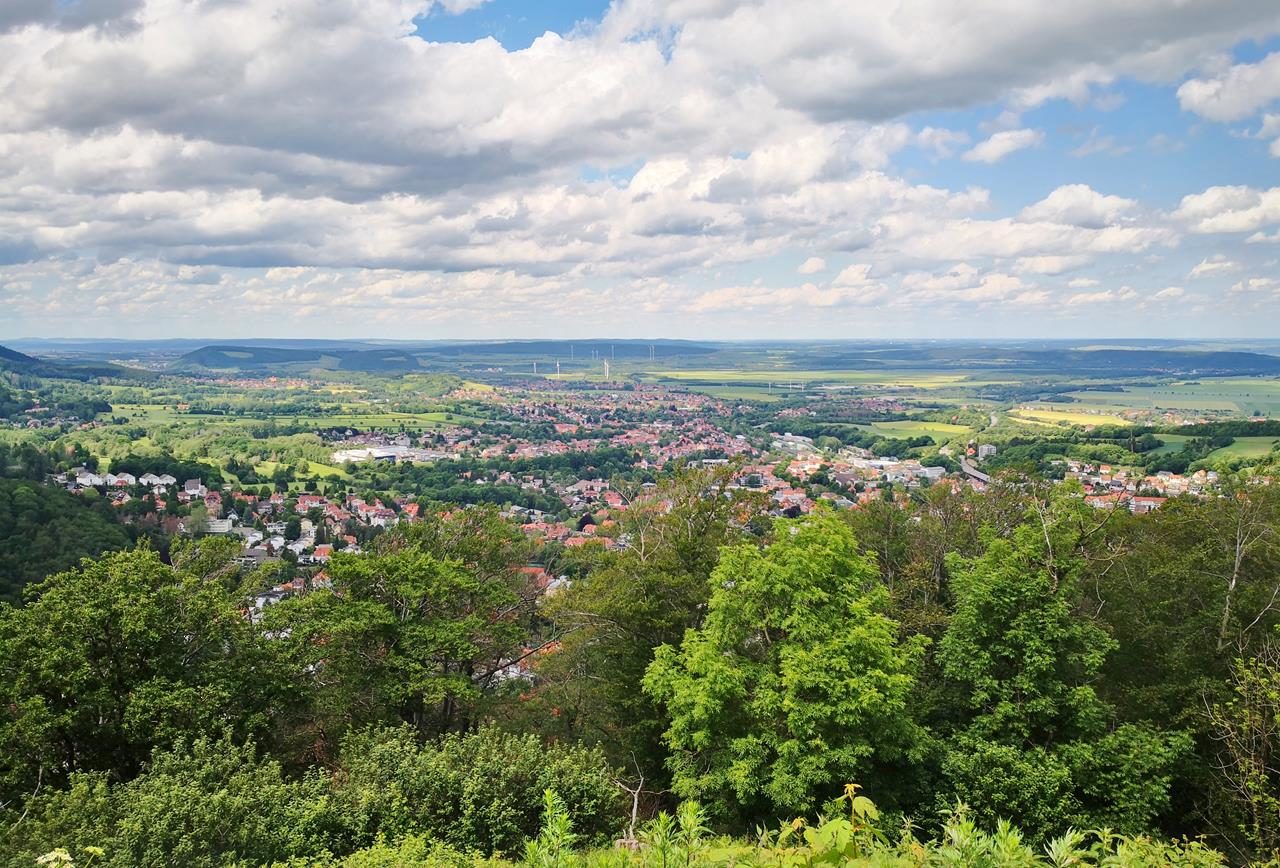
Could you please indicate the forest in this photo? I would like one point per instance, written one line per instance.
(1010, 670)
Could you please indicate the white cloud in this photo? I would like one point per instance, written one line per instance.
(1169, 293)
(163, 146)
(1230, 209)
(1216, 264)
(942, 142)
(1049, 264)
(1002, 144)
(812, 265)
(1079, 205)
(1257, 284)
(1235, 93)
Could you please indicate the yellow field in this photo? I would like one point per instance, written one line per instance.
(1039, 415)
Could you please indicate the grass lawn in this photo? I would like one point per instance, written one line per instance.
(315, 470)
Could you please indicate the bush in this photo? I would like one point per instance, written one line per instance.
(212, 804)
(481, 791)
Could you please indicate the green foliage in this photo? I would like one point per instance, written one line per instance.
(796, 682)
(628, 603)
(119, 656)
(1033, 743)
(414, 632)
(482, 791)
(1246, 735)
(212, 803)
(44, 530)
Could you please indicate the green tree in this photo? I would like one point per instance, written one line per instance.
(628, 602)
(1033, 742)
(404, 634)
(116, 657)
(796, 683)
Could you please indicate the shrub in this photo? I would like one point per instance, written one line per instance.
(481, 791)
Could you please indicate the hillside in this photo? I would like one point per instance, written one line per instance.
(13, 357)
(390, 359)
(20, 363)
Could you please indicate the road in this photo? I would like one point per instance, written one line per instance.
(968, 467)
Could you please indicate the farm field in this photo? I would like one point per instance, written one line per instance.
(782, 377)
(1246, 447)
(1172, 443)
(1058, 417)
(940, 431)
(743, 393)
(1245, 396)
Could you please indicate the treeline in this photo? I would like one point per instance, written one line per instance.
(1015, 651)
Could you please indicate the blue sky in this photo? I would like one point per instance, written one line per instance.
(683, 168)
(514, 23)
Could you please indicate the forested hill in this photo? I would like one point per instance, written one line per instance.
(20, 363)
(15, 358)
(45, 530)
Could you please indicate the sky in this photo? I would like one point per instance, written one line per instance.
(701, 169)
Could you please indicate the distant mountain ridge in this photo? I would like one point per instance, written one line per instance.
(21, 363)
(343, 356)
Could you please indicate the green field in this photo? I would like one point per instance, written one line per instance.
(783, 378)
(150, 414)
(314, 469)
(742, 393)
(1246, 447)
(1244, 396)
(1172, 443)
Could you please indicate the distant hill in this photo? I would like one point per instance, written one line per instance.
(248, 358)
(1109, 362)
(343, 356)
(16, 358)
(21, 363)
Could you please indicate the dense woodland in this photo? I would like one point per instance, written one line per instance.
(1016, 653)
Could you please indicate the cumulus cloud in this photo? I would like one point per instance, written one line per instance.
(320, 149)
(1236, 92)
(1079, 205)
(1002, 144)
(1230, 209)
